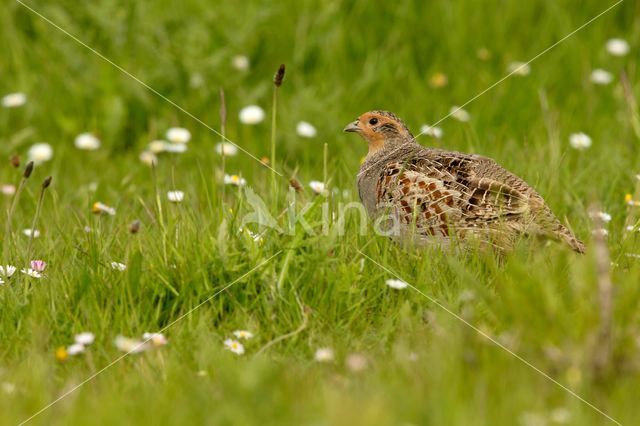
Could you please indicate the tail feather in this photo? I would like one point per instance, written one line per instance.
(567, 236)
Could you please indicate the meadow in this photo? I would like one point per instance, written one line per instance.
(144, 227)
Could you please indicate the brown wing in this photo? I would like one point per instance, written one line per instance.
(445, 194)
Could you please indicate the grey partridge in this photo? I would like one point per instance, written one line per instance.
(429, 195)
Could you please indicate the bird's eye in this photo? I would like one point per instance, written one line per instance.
(373, 121)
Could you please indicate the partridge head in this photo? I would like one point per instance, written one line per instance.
(381, 129)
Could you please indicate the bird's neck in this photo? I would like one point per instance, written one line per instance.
(380, 147)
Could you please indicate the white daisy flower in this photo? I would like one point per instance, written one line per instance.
(14, 100)
(175, 148)
(251, 114)
(560, 415)
(126, 344)
(157, 146)
(434, 132)
(8, 388)
(243, 334)
(31, 232)
(227, 148)
(175, 196)
(117, 266)
(579, 141)
(519, 68)
(1, 281)
(7, 270)
(240, 62)
(254, 236)
(617, 47)
(40, 152)
(600, 76)
(306, 130)
(396, 284)
(178, 135)
(317, 186)
(603, 216)
(75, 349)
(234, 346)
(459, 114)
(357, 362)
(85, 338)
(157, 339)
(234, 180)
(148, 158)
(31, 273)
(7, 189)
(101, 208)
(323, 355)
(87, 142)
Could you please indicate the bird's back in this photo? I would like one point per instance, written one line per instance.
(434, 193)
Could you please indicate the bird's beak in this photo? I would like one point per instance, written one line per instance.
(352, 127)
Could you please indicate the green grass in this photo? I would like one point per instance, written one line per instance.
(424, 366)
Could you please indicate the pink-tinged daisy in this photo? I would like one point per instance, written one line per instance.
(234, 346)
(133, 346)
(7, 189)
(157, 339)
(357, 362)
(38, 265)
(14, 100)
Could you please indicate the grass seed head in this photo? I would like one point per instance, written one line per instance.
(279, 77)
(295, 184)
(47, 182)
(28, 170)
(134, 227)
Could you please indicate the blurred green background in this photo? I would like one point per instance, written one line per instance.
(415, 58)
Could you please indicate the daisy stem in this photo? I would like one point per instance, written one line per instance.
(284, 271)
(8, 232)
(34, 223)
(277, 82)
(274, 107)
(223, 132)
(160, 216)
(325, 157)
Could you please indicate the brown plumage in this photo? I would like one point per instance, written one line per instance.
(435, 196)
